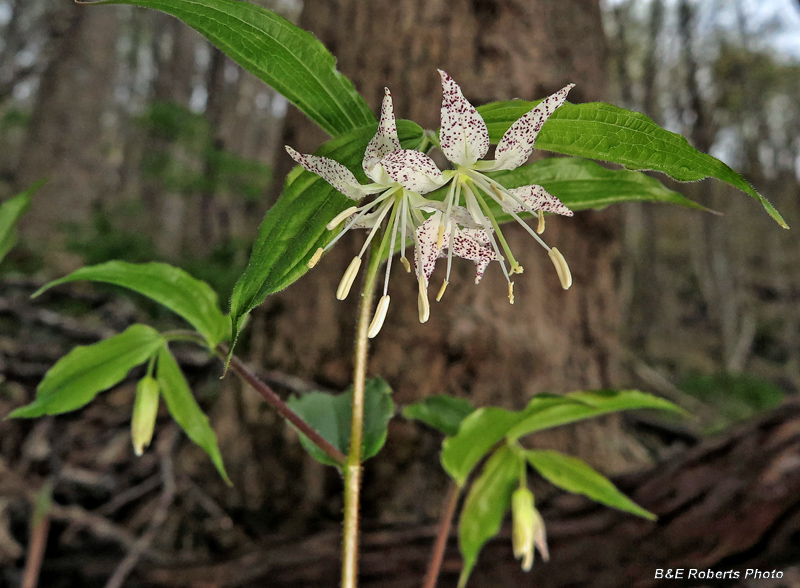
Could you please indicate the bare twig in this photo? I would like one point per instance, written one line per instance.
(143, 543)
(442, 535)
(40, 527)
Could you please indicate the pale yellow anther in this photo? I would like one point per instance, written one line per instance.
(340, 217)
(440, 238)
(380, 316)
(405, 263)
(540, 227)
(315, 258)
(348, 278)
(498, 192)
(423, 305)
(562, 269)
(511, 292)
(516, 269)
(441, 291)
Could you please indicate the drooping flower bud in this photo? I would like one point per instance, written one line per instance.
(528, 528)
(145, 410)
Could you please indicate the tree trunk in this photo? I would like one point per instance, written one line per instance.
(475, 344)
(67, 138)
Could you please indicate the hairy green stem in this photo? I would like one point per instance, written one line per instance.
(352, 468)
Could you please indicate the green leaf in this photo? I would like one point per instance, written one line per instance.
(281, 54)
(184, 295)
(573, 475)
(330, 416)
(538, 416)
(597, 130)
(444, 413)
(10, 212)
(582, 184)
(485, 427)
(294, 227)
(477, 435)
(85, 371)
(184, 408)
(486, 505)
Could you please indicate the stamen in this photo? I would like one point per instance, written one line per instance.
(517, 269)
(348, 278)
(440, 238)
(340, 217)
(404, 261)
(316, 257)
(511, 292)
(380, 316)
(540, 228)
(562, 269)
(423, 305)
(441, 291)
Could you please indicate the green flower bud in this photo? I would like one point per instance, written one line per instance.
(145, 410)
(527, 529)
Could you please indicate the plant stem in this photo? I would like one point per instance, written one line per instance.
(442, 535)
(352, 468)
(241, 370)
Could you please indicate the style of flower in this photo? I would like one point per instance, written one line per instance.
(464, 140)
(399, 177)
(527, 528)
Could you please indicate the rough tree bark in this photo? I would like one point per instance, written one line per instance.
(475, 344)
(67, 139)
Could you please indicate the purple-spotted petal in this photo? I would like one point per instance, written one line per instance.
(384, 142)
(413, 170)
(332, 172)
(464, 138)
(516, 146)
(538, 199)
(473, 244)
(425, 251)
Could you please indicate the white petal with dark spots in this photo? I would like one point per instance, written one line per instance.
(516, 146)
(413, 170)
(332, 172)
(464, 138)
(538, 199)
(384, 142)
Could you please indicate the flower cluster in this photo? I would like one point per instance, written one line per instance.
(462, 225)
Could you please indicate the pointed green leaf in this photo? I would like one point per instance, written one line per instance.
(573, 475)
(330, 416)
(85, 371)
(486, 505)
(444, 413)
(184, 295)
(582, 184)
(184, 408)
(539, 416)
(480, 431)
(281, 54)
(10, 212)
(487, 426)
(294, 227)
(602, 131)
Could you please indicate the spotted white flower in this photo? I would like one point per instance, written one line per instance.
(399, 177)
(460, 236)
(464, 141)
